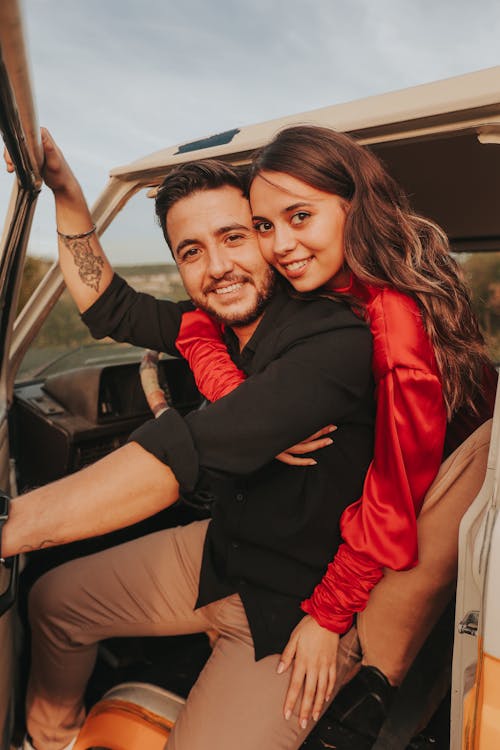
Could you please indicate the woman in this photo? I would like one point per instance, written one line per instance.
(333, 222)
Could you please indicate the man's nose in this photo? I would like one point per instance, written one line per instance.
(219, 262)
(284, 239)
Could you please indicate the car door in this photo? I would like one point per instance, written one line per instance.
(476, 663)
(20, 135)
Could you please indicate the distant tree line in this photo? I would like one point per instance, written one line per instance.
(483, 274)
(63, 327)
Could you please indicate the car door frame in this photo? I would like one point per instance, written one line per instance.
(21, 137)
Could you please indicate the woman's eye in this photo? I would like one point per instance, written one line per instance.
(299, 217)
(263, 226)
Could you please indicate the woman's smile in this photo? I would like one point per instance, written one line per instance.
(295, 268)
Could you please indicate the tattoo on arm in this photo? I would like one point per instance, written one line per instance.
(89, 265)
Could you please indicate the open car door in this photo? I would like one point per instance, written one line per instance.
(21, 137)
(476, 661)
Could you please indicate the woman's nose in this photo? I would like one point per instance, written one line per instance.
(284, 240)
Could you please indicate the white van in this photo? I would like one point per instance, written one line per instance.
(442, 143)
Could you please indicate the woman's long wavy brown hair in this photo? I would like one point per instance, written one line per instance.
(386, 243)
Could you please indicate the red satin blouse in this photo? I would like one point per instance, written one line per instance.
(380, 529)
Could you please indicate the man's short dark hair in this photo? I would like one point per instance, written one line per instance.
(194, 177)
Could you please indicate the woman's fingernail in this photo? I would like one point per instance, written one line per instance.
(333, 427)
(288, 713)
(328, 441)
(281, 668)
(303, 723)
(316, 716)
(327, 698)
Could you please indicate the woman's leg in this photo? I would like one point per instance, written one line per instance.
(238, 702)
(144, 587)
(405, 605)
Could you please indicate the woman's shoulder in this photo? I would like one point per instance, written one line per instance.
(393, 304)
(399, 336)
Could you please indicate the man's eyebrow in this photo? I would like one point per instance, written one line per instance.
(184, 243)
(232, 228)
(218, 233)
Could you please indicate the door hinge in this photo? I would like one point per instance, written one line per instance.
(469, 623)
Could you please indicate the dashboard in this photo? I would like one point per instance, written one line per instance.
(69, 420)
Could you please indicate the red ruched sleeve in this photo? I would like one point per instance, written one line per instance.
(200, 342)
(379, 530)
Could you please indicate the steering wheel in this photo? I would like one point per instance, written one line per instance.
(158, 398)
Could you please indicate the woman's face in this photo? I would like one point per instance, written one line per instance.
(300, 230)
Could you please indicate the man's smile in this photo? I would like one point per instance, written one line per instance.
(228, 289)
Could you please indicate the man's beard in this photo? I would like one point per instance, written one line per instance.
(265, 291)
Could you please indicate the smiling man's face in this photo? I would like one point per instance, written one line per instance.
(217, 253)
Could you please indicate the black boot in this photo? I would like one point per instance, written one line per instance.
(356, 715)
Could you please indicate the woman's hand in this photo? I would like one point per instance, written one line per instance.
(312, 443)
(313, 651)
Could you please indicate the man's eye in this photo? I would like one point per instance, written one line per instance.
(262, 226)
(234, 237)
(299, 217)
(190, 253)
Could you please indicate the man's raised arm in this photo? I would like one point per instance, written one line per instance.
(86, 270)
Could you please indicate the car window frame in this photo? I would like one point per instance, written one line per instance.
(21, 137)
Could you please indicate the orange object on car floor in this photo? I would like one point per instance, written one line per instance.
(131, 716)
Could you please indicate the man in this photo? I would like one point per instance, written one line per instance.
(274, 528)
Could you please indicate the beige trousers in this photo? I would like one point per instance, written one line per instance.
(405, 605)
(149, 587)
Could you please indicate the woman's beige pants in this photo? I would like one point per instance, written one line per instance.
(149, 587)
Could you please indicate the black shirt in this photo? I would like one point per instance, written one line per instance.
(274, 528)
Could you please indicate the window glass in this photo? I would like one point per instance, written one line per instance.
(482, 271)
(137, 250)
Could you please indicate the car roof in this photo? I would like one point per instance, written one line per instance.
(463, 102)
(437, 139)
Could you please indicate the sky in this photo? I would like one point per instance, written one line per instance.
(115, 80)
